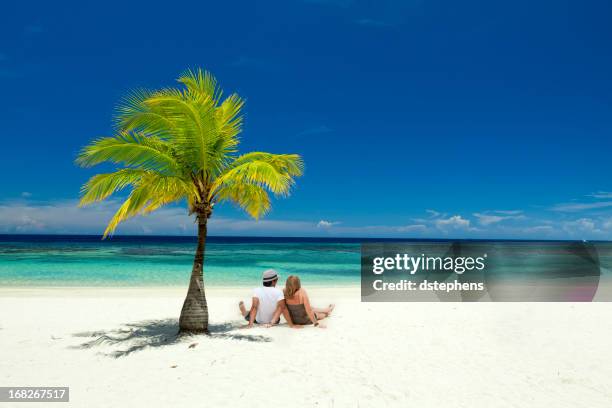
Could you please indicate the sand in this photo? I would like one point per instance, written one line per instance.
(116, 348)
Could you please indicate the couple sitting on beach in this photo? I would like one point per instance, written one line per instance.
(269, 302)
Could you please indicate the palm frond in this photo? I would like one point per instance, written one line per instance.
(194, 125)
(229, 123)
(133, 113)
(132, 149)
(102, 186)
(253, 199)
(290, 164)
(151, 192)
(274, 172)
(201, 83)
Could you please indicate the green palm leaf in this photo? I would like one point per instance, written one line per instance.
(133, 149)
(150, 192)
(253, 199)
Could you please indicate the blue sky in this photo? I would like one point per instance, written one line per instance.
(415, 118)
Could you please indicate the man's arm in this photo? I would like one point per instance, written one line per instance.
(253, 312)
(280, 305)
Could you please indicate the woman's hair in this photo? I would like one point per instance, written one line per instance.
(292, 285)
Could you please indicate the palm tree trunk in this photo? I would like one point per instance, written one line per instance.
(194, 315)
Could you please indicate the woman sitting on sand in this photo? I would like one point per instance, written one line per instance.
(298, 304)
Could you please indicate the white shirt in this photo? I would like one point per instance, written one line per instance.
(268, 299)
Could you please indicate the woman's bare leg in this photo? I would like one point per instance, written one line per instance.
(323, 312)
(320, 315)
(326, 310)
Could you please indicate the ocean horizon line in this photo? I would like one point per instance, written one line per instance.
(4, 237)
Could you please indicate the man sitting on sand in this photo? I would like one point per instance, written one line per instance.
(268, 302)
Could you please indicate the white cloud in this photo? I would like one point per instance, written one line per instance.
(25, 215)
(573, 207)
(602, 194)
(509, 212)
(538, 229)
(489, 219)
(65, 217)
(412, 228)
(454, 222)
(580, 226)
(26, 194)
(222, 225)
(442, 222)
(435, 214)
(381, 230)
(326, 224)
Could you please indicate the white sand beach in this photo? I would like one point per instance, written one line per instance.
(116, 348)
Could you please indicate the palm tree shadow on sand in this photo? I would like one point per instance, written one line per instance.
(138, 336)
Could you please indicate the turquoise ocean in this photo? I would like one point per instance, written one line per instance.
(55, 260)
(166, 261)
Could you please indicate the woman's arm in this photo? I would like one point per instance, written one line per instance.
(309, 310)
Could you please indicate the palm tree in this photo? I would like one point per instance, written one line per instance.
(181, 144)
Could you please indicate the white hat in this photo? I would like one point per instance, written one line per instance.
(269, 275)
